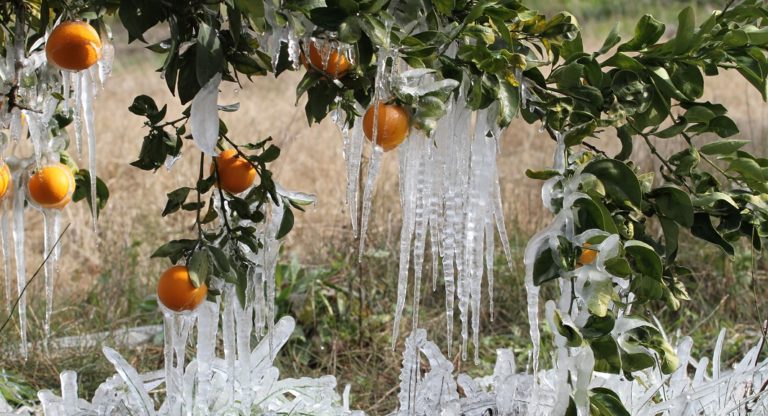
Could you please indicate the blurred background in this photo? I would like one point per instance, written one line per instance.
(343, 308)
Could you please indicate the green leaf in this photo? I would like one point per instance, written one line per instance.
(723, 126)
(541, 174)
(686, 23)
(699, 114)
(509, 102)
(703, 229)
(612, 40)
(606, 352)
(619, 180)
(674, 204)
(688, 80)
(198, 267)
(598, 292)
(209, 57)
(83, 190)
(598, 326)
(671, 237)
(605, 402)
(544, 266)
(176, 199)
(722, 147)
(286, 224)
(644, 260)
(618, 266)
(567, 330)
(647, 32)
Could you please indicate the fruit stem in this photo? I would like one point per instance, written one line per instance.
(241, 154)
(221, 196)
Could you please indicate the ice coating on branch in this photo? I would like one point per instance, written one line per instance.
(5, 247)
(18, 245)
(88, 86)
(204, 117)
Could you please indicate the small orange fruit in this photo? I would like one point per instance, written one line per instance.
(5, 180)
(337, 64)
(235, 173)
(587, 256)
(176, 291)
(73, 45)
(392, 125)
(52, 186)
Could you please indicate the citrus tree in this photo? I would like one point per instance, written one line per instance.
(612, 247)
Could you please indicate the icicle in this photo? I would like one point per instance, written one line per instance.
(207, 326)
(228, 333)
(6, 252)
(176, 327)
(66, 81)
(69, 391)
(78, 116)
(105, 62)
(87, 87)
(49, 269)
(373, 172)
(420, 222)
(408, 159)
(21, 271)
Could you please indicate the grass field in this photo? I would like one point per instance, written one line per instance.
(343, 307)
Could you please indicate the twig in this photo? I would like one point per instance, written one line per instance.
(40, 267)
(221, 197)
(199, 207)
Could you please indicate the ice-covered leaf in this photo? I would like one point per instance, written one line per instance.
(204, 117)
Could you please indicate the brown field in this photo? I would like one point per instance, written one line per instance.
(114, 265)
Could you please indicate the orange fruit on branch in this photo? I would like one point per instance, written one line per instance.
(5, 180)
(337, 64)
(392, 125)
(177, 293)
(73, 45)
(587, 256)
(235, 174)
(52, 186)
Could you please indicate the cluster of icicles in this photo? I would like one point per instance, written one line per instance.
(691, 390)
(37, 81)
(449, 194)
(243, 381)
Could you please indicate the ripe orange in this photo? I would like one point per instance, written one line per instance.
(73, 45)
(52, 186)
(176, 291)
(392, 126)
(5, 180)
(235, 174)
(337, 64)
(587, 256)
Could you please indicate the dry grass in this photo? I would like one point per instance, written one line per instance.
(115, 266)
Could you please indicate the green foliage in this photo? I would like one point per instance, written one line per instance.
(501, 55)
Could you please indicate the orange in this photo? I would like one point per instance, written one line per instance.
(176, 291)
(5, 180)
(73, 45)
(337, 64)
(392, 125)
(235, 173)
(587, 256)
(52, 186)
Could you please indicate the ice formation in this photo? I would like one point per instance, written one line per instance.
(39, 90)
(242, 381)
(450, 199)
(693, 389)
